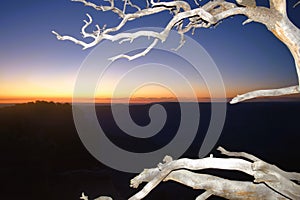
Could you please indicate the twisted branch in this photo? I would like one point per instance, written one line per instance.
(269, 182)
(207, 15)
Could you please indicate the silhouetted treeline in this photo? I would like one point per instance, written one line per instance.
(38, 141)
(35, 131)
(42, 157)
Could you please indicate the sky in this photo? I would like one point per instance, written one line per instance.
(34, 65)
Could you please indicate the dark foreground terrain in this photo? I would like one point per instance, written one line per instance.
(42, 157)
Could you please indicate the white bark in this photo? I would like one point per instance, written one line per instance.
(209, 14)
(275, 179)
(269, 182)
(228, 189)
(289, 34)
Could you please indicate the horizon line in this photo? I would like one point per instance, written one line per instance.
(140, 100)
(137, 99)
(14, 100)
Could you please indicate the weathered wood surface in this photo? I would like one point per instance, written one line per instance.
(274, 18)
(269, 182)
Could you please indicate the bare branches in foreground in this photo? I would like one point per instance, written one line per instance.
(269, 182)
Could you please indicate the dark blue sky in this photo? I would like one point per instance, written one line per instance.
(33, 62)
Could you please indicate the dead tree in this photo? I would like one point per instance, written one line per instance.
(270, 182)
(273, 183)
(203, 16)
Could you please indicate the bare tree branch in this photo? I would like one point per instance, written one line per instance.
(265, 93)
(270, 182)
(198, 164)
(204, 195)
(238, 154)
(278, 183)
(133, 5)
(274, 177)
(221, 187)
(248, 3)
(103, 8)
(207, 15)
(288, 175)
(279, 5)
(296, 4)
(143, 53)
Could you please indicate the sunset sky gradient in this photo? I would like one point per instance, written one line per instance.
(34, 65)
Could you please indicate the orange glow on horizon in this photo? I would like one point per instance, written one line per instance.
(61, 93)
(13, 100)
(141, 99)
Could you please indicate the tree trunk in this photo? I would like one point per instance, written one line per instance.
(289, 34)
(277, 21)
